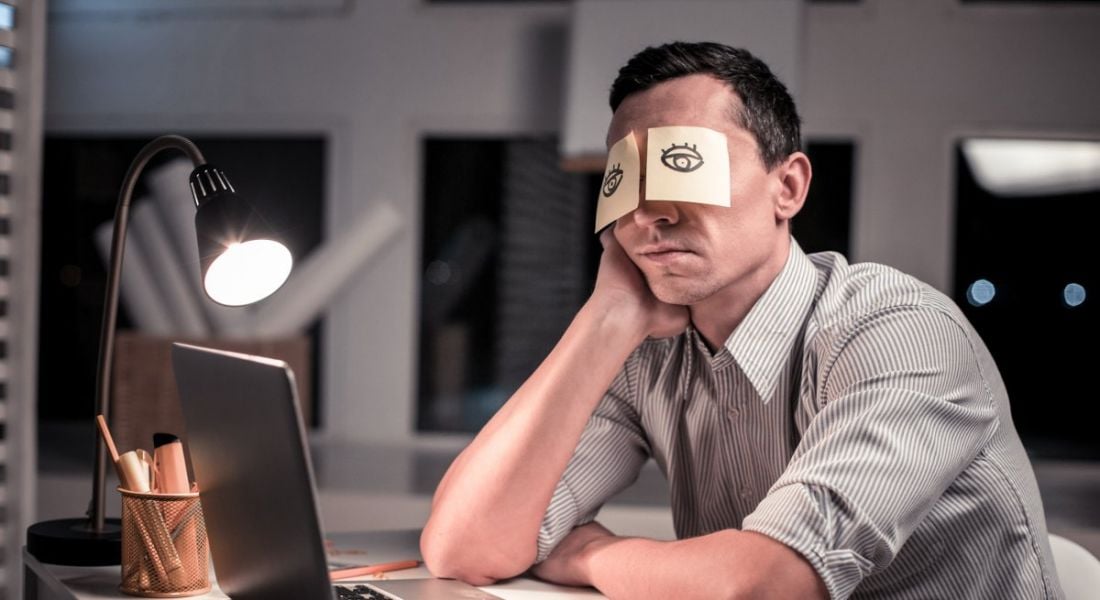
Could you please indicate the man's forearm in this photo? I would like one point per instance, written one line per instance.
(724, 564)
(487, 510)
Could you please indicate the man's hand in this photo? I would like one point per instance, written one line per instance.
(566, 564)
(621, 287)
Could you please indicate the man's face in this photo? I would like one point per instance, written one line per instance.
(688, 252)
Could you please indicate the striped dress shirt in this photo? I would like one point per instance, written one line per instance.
(855, 416)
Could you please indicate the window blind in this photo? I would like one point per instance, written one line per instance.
(22, 52)
(7, 55)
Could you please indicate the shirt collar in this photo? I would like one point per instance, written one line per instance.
(762, 342)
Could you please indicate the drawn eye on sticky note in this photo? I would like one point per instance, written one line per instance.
(687, 164)
(619, 189)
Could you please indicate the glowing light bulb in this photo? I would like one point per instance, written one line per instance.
(247, 272)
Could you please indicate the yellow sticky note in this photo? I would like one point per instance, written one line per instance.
(687, 164)
(619, 190)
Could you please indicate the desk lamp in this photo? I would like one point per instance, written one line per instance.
(242, 262)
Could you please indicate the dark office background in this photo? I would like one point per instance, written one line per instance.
(1030, 248)
(285, 173)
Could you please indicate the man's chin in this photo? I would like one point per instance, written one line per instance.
(680, 295)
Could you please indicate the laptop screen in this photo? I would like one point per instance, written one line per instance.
(248, 450)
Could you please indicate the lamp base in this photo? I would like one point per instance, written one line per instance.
(73, 542)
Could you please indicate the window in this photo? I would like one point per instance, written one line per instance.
(506, 263)
(1024, 272)
(824, 223)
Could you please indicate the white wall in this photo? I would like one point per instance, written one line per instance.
(601, 43)
(909, 78)
(903, 77)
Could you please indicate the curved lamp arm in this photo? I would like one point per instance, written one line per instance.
(110, 302)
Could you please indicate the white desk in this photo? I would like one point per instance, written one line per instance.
(55, 582)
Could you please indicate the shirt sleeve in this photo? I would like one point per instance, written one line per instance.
(608, 457)
(904, 408)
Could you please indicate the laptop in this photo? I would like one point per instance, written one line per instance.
(248, 450)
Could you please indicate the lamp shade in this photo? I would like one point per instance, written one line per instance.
(241, 259)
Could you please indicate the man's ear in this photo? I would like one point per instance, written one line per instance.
(794, 176)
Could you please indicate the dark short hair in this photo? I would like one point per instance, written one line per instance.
(766, 109)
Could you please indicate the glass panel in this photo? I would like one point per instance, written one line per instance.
(824, 222)
(1024, 268)
(507, 239)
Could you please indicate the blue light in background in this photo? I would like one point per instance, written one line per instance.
(7, 16)
(5, 57)
(1073, 294)
(980, 292)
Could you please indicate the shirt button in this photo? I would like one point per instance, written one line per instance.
(746, 493)
(734, 412)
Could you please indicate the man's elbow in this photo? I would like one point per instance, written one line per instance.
(469, 560)
(772, 570)
(775, 584)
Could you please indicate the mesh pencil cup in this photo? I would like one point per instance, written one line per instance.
(164, 547)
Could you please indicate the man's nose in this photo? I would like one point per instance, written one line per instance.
(655, 213)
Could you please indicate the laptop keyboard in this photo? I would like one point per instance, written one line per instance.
(359, 592)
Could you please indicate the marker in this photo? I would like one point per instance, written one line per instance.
(169, 465)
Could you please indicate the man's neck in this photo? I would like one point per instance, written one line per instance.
(718, 315)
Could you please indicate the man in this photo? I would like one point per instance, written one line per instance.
(828, 430)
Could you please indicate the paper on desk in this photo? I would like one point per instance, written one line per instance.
(528, 588)
(315, 281)
(138, 293)
(177, 290)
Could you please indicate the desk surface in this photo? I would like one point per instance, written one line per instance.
(96, 583)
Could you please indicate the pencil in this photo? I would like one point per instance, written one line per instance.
(106, 433)
(351, 572)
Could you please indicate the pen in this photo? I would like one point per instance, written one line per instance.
(351, 572)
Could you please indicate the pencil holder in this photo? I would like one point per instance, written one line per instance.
(164, 548)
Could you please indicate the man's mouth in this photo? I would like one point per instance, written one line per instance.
(664, 253)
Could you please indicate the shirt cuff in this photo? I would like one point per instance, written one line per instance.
(804, 518)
